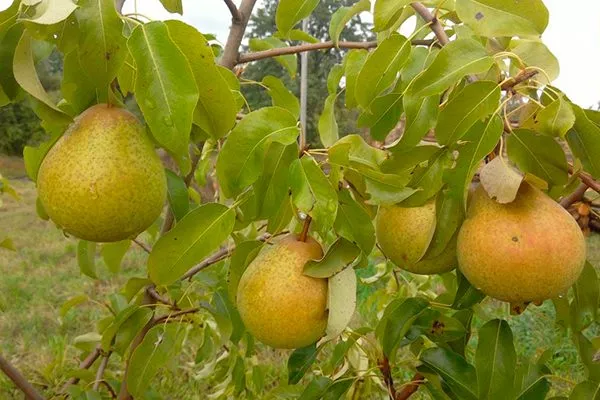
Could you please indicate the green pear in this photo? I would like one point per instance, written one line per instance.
(528, 250)
(102, 181)
(404, 234)
(279, 305)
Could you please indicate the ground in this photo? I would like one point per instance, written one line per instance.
(42, 274)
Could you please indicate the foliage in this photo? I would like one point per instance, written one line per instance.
(183, 301)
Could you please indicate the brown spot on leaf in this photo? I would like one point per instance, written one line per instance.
(479, 15)
(107, 56)
(437, 328)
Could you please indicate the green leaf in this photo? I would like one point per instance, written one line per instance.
(531, 382)
(383, 115)
(586, 390)
(127, 75)
(199, 233)
(297, 34)
(315, 389)
(102, 47)
(126, 325)
(26, 75)
(535, 54)
(584, 141)
(328, 127)
(216, 110)
(71, 303)
(341, 254)
(300, 361)
(471, 104)
(8, 44)
(556, 119)
(458, 374)
(428, 178)
(290, 12)
(113, 253)
(381, 67)
(458, 58)
(289, 61)
(539, 155)
(500, 180)
(587, 352)
(227, 317)
(337, 389)
(272, 186)
(353, 63)
(159, 346)
(397, 319)
(281, 96)
(333, 78)
(341, 301)
(75, 87)
(86, 258)
(173, 6)
(165, 88)
(8, 244)
(387, 12)
(353, 151)
(241, 257)
(586, 294)
(437, 327)
(353, 223)
(48, 12)
(8, 17)
(466, 294)
(343, 15)
(479, 141)
(500, 18)
(449, 215)
(421, 116)
(177, 195)
(33, 156)
(495, 360)
(312, 192)
(241, 159)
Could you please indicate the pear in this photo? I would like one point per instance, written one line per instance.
(529, 250)
(404, 234)
(279, 305)
(102, 181)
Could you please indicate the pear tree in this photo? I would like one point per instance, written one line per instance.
(450, 196)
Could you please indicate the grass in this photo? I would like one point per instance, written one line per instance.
(43, 273)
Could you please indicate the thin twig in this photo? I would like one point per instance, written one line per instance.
(386, 371)
(212, 259)
(231, 51)
(143, 245)
(235, 13)
(176, 314)
(259, 55)
(151, 291)
(520, 77)
(101, 369)
(575, 196)
(19, 380)
(85, 364)
(435, 26)
(587, 179)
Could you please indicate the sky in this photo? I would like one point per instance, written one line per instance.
(573, 35)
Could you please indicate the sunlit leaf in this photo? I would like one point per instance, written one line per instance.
(48, 12)
(343, 15)
(288, 61)
(113, 253)
(340, 255)
(281, 96)
(290, 12)
(353, 63)
(536, 54)
(86, 258)
(495, 360)
(387, 12)
(328, 127)
(383, 116)
(500, 180)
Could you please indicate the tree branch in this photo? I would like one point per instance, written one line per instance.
(408, 389)
(151, 291)
(236, 34)
(235, 13)
(19, 380)
(574, 197)
(100, 372)
(259, 55)
(520, 77)
(435, 25)
(85, 364)
(386, 371)
(176, 314)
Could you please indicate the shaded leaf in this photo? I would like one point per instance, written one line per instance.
(397, 319)
(353, 63)
(113, 253)
(534, 53)
(289, 61)
(584, 141)
(281, 96)
(586, 390)
(327, 125)
(556, 119)
(586, 294)
(466, 294)
(86, 258)
(290, 12)
(383, 115)
(458, 374)
(299, 362)
(173, 6)
(159, 346)
(48, 12)
(199, 233)
(353, 223)
(495, 360)
(340, 255)
(387, 12)
(531, 382)
(539, 155)
(315, 389)
(241, 257)
(437, 326)
(343, 15)
(177, 194)
(421, 116)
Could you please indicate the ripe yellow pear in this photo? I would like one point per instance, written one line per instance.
(102, 181)
(404, 234)
(279, 305)
(529, 250)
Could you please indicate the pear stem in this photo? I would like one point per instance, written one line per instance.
(304, 233)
